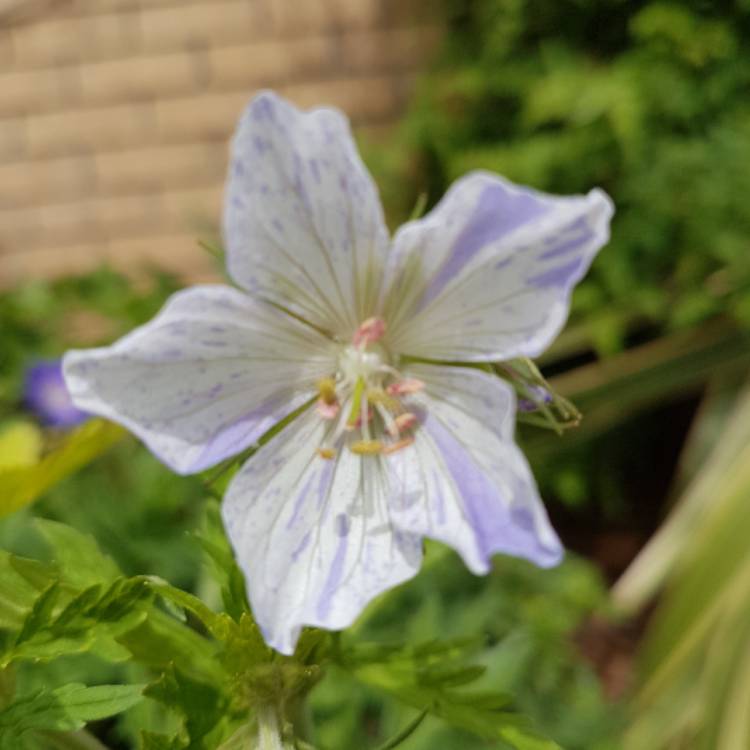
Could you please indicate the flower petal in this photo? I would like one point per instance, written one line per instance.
(205, 378)
(313, 536)
(488, 274)
(303, 223)
(464, 481)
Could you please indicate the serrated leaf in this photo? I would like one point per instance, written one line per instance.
(21, 581)
(426, 677)
(214, 622)
(160, 640)
(78, 555)
(64, 709)
(21, 486)
(91, 621)
(41, 613)
(200, 705)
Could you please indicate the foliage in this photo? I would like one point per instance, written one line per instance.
(645, 99)
(693, 687)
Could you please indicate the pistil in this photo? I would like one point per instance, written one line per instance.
(366, 386)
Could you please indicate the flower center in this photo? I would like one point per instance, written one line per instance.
(363, 398)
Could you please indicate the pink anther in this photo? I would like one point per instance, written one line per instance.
(398, 446)
(404, 387)
(405, 421)
(370, 331)
(327, 411)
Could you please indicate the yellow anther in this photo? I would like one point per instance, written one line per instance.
(327, 453)
(398, 446)
(366, 447)
(379, 396)
(327, 390)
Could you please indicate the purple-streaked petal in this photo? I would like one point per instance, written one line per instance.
(303, 225)
(312, 535)
(488, 274)
(205, 378)
(45, 394)
(464, 481)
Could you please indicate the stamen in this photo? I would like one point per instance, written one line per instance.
(405, 421)
(377, 396)
(398, 446)
(370, 331)
(359, 421)
(366, 447)
(327, 453)
(326, 410)
(327, 390)
(388, 420)
(359, 389)
(404, 387)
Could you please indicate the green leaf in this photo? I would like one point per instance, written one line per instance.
(426, 677)
(161, 639)
(200, 705)
(21, 581)
(20, 445)
(215, 623)
(222, 563)
(78, 556)
(693, 687)
(64, 709)
(21, 486)
(91, 621)
(153, 741)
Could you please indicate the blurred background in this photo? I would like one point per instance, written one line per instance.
(114, 120)
(115, 114)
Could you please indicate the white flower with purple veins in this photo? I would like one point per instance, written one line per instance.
(352, 331)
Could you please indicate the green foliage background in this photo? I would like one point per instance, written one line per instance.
(645, 99)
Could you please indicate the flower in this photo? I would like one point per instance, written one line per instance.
(347, 331)
(45, 394)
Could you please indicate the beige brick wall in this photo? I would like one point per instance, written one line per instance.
(115, 114)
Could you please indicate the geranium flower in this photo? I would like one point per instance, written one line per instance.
(45, 394)
(352, 334)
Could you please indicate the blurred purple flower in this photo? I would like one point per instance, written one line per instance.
(46, 395)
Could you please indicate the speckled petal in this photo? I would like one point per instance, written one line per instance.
(313, 535)
(488, 274)
(205, 378)
(303, 225)
(464, 481)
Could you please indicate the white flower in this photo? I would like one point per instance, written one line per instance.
(393, 446)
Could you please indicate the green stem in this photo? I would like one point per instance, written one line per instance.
(405, 733)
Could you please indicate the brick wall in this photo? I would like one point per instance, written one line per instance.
(115, 114)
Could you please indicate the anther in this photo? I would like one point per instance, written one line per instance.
(326, 410)
(327, 453)
(366, 447)
(404, 387)
(370, 331)
(327, 390)
(405, 421)
(379, 397)
(398, 446)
